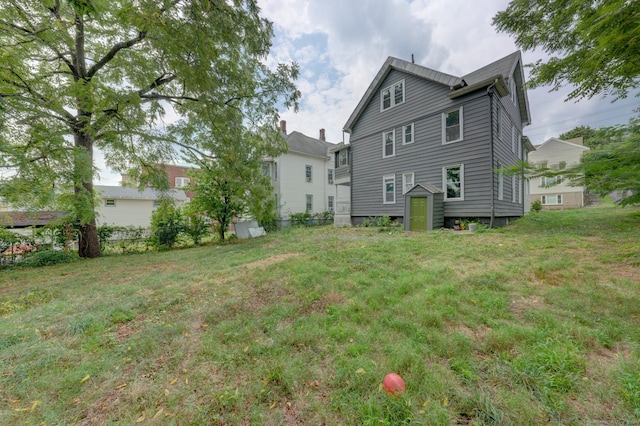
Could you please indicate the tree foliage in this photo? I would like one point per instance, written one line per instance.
(594, 45)
(597, 138)
(110, 74)
(232, 184)
(610, 168)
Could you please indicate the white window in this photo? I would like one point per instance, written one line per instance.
(388, 144)
(452, 126)
(389, 189)
(266, 169)
(512, 89)
(551, 200)
(109, 202)
(343, 158)
(308, 172)
(453, 181)
(407, 182)
(330, 203)
(309, 202)
(513, 189)
(182, 182)
(549, 180)
(392, 96)
(407, 134)
(513, 138)
(500, 181)
(330, 176)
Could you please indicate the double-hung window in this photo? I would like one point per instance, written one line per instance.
(512, 89)
(182, 182)
(407, 182)
(308, 172)
(388, 144)
(453, 181)
(330, 176)
(549, 180)
(389, 189)
(309, 202)
(407, 134)
(330, 203)
(343, 158)
(551, 200)
(392, 96)
(452, 126)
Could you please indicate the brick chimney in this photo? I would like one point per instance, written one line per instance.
(322, 138)
(283, 127)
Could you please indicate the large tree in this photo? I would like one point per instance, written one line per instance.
(593, 44)
(82, 74)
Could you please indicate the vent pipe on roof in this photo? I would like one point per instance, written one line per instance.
(412, 59)
(322, 137)
(283, 127)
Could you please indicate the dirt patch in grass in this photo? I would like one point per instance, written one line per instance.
(627, 272)
(320, 305)
(477, 335)
(521, 306)
(271, 260)
(128, 329)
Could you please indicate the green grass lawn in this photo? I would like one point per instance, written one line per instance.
(535, 323)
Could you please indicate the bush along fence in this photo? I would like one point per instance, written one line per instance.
(310, 219)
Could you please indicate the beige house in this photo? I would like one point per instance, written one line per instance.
(121, 206)
(557, 154)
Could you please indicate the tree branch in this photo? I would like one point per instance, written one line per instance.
(114, 51)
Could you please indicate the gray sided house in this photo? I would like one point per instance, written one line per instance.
(416, 126)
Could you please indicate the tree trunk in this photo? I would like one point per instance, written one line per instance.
(88, 241)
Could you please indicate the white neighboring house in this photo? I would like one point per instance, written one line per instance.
(557, 154)
(122, 206)
(303, 178)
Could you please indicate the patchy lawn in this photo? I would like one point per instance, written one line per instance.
(531, 324)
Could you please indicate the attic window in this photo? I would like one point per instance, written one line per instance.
(512, 89)
(392, 96)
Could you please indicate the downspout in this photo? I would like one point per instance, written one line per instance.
(490, 92)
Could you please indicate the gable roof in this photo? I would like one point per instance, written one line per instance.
(306, 145)
(427, 187)
(498, 72)
(17, 219)
(561, 141)
(127, 193)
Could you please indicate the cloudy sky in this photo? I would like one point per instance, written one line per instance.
(341, 44)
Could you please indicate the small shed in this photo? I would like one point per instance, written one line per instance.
(423, 208)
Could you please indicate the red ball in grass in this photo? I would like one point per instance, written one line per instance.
(393, 384)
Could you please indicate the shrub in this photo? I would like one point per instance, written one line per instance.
(377, 221)
(536, 206)
(301, 219)
(166, 224)
(47, 258)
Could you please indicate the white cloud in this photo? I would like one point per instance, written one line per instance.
(340, 46)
